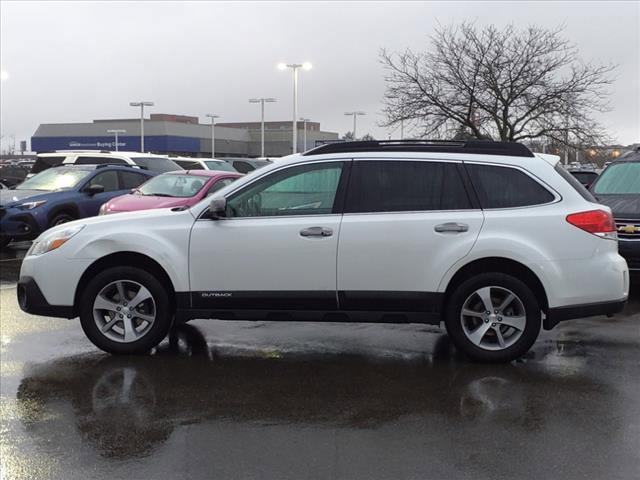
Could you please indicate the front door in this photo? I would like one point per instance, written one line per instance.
(405, 224)
(277, 248)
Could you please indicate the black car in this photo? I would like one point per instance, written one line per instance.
(618, 187)
(585, 176)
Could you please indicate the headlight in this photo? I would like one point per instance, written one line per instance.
(53, 240)
(30, 205)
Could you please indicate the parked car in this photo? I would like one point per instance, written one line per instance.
(246, 165)
(584, 175)
(171, 189)
(485, 236)
(3, 186)
(618, 187)
(13, 174)
(62, 194)
(203, 164)
(146, 161)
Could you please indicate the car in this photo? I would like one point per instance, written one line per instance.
(487, 237)
(3, 186)
(13, 174)
(618, 187)
(171, 189)
(146, 161)
(584, 175)
(62, 194)
(246, 165)
(203, 164)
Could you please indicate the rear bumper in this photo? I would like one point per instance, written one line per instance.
(558, 314)
(31, 300)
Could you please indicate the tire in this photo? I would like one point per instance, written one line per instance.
(61, 218)
(117, 325)
(4, 241)
(504, 334)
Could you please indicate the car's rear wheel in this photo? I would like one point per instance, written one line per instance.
(125, 310)
(493, 317)
(61, 218)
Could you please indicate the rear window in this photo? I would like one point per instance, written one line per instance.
(189, 164)
(585, 177)
(405, 186)
(42, 163)
(219, 165)
(573, 181)
(87, 160)
(243, 167)
(157, 164)
(506, 187)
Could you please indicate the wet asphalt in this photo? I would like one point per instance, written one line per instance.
(245, 400)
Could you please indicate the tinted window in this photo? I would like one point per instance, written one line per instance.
(219, 184)
(404, 186)
(573, 181)
(42, 163)
(109, 180)
(98, 161)
(243, 167)
(303, 190)
(219, 165)
(619, 179)
(157, 164)
(585, 178)
(189, 164)
(504, 187)
(129, 180)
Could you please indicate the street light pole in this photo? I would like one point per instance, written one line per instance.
(355, 115)
(141, 105)
(213, 133)
(305, 120)
(294, 67)
(262, 101)
(116, 132)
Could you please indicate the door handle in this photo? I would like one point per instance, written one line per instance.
(452, 227)
(316, 232)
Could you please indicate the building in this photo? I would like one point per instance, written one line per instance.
(179, 135)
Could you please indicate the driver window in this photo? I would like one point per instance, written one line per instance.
(303, 190)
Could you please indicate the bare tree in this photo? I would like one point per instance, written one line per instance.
(508, 85)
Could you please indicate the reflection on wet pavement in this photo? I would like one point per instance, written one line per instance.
(290, 400)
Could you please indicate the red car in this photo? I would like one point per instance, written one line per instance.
(182, 188)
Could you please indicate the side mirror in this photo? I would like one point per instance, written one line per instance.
(94, 189)
(217, 208)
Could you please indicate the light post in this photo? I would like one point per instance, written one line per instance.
(262, 101)
(355, 115)
(213, 133)
(305, 120)
(141, 105)
(116, 132)
(294, 67)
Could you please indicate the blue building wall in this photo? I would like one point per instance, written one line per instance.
(157, 143)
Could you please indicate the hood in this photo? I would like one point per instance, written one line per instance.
(133, 202)
(7, 197)
(625, 207)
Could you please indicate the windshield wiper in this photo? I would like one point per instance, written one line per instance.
(158, 194)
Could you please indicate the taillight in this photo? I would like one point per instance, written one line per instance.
(598, 222)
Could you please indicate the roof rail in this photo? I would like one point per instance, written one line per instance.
(441, 146)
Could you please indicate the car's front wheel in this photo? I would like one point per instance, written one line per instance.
(125, 310)
(493, 317)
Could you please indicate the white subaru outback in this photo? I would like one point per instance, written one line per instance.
(489, 238)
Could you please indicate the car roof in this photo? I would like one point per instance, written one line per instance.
(119, 153)
(204, 173)
(101, 166)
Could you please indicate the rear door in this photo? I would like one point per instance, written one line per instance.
(405, 223)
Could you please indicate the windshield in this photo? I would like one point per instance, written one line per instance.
(619, 179)
(219, 165)
(54, 179)
(182, 186)
(157, 164)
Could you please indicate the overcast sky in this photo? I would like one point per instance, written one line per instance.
(78, 61)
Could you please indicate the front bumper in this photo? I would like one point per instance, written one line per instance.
(31, 300)
(19, 224)
(558, 314)
(630, 250)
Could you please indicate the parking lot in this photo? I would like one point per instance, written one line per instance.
(304, 400)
